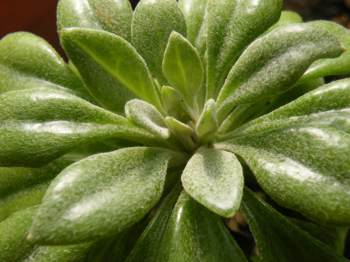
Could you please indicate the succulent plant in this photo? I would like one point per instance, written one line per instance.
(197, 130)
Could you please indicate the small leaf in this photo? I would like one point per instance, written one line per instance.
(152, 24)
(232, 25)
(110, 15)
(215, 179)
(100, 196)
(299, 153)
(278, 239)
(28, 61)
(194, 12)
(273, 63)
(147, 116)
(207, 123)
(146, 248)
(109, 65)
(182, 131)
(183, 68)
(195, 234)
(171, 99)
(335, 66)
(39, 125)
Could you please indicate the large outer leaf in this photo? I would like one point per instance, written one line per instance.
(335, 66)
(110, 66)
(194, 12)
(14, 245)
(110, 15)
(39, 125)
(215, 179)
(28, 61)
(152, 24)
(273, 63)
(100, 196)
(197, 235)
(300, 153)
(280, 240)
(232, 25)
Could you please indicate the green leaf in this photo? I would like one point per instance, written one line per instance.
(299, 153)
(287, 17)
(15, 247)
(28, 61)
(13, 179)
(146, 248)
(207, 123)
(183, 69)
(100, 196)
(39, 125)
(22, 199)
(194, 12)
(173, 102)
(147, 116)
(195, 234)
(152, 24)
(232, 25)
(182, 131)
(335, 66)
(13, 231)
(214, 178)
(273, 63)
(110, 66)
(278, 239)
(110, 15)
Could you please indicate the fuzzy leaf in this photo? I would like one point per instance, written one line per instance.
(194, 12)
(39, 125)
(173, 102)
(278, 239)
(147, 116)
(22, 199)
(189, 230)
(183, 68)
(182, 131)
(152, 24)
(109, 66)
(110, 15)
(13, 231)
(215, 179)
(287, 17)
(100, 196)
(15, 247)
(232, 25)
(28, 61)
(273, 63)
(299, 153)
(147, 246)
(335, 66)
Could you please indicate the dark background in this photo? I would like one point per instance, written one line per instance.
(38, 16)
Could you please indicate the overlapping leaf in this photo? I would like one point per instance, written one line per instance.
(152, 24)
(28, 61)
(273, 63)
(299, 153)
(110, 66)
(101, 195)
(232, 25)
(38, 125)
(110, 15)
(278, 239)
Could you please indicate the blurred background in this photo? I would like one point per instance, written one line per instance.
(38, 16)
